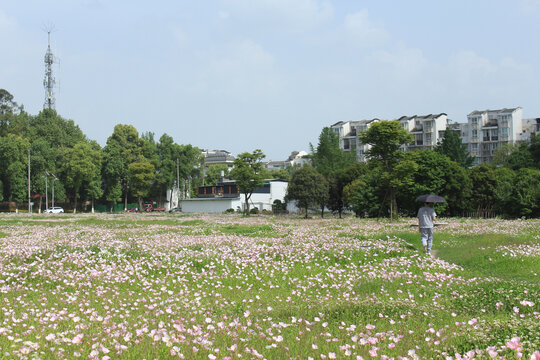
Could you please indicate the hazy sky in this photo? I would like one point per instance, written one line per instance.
(270, 74)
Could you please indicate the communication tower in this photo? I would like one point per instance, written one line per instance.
(48, 81)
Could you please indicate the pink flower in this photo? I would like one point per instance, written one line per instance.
(514, 344)
(373, 352)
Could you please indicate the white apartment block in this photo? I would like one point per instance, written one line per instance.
(483, 133)
(490, 129)
(296, 158)
(427, 130)
(348, 131)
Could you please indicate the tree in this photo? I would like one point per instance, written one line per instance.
(8, 111)
(329, 160)
(81, 163)
(385, 139)
(452, 146)
(437, 174)
(363, 195)
(307, 187)
(123, 148)
(483, 187)
(13, 172)
(213, 173)
(247, 172)
(328, 157)
(140, 175)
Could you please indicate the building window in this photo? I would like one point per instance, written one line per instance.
(504, 132)
(474, 121)
(485, 135)
(474, 147)
(428, 139)
(494, 135)
(475, 134)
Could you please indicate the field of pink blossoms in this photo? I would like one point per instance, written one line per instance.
(145, 286)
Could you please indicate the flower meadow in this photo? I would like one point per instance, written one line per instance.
(172, 286)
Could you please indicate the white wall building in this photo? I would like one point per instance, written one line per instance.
(489, 129)
(263, 198)
(348, 136)
(296, 158)
(427, 130)
(483, 133)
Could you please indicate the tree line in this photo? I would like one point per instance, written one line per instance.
(130, 167)
(391, 179)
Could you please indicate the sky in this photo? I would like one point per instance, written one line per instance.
(240, 75)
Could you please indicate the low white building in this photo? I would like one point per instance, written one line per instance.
(224, 196)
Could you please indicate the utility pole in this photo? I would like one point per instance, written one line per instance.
(54, 178)
(29, 197)
(46, 190)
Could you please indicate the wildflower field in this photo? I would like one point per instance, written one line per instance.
(169, 286)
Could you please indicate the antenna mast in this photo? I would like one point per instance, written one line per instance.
(49, 81)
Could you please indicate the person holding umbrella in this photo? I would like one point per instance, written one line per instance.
(426, 217)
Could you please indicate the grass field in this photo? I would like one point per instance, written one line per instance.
(146, 286)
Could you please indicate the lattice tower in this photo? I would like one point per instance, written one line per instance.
(49, 81)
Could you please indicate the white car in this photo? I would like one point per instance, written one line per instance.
(54, 210)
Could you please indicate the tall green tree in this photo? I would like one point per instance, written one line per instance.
(13, 171)
(386, 139)
(308, 188)
(437, 174)
(452, 146)
(484, 184)
(140, 174)
(248, 173)
(330, 160)
(328, 157)
(8, 111)
(81, 164)
(123, 148)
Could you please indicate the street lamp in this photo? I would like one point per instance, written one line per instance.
(46, 191)
(54, 178)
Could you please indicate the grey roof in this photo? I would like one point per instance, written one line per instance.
(422, 117)
(500, 111)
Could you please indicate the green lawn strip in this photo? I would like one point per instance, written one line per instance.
(477, 254)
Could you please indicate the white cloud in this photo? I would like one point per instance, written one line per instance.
(529, 7)
(179, 36)
(6, 23)
(240, 70)
(362, 31)
(291, 15)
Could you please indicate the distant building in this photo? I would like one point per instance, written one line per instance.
(296, 158)
(427, 130)
(215, 157)
(482, 134)
(348, 136)
(225, 195)
(490, 129)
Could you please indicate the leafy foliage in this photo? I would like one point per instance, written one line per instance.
(308, 188)
(248, 173)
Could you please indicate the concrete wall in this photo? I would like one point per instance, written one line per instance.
(213, 205)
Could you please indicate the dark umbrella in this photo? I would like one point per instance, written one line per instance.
(429, 198)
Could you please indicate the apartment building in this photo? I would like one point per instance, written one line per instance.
(483, 133)
(427, 130)
(490, 129)
(348, 131)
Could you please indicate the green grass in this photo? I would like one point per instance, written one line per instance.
(478, 255)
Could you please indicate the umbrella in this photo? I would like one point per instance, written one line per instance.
(429, 198)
